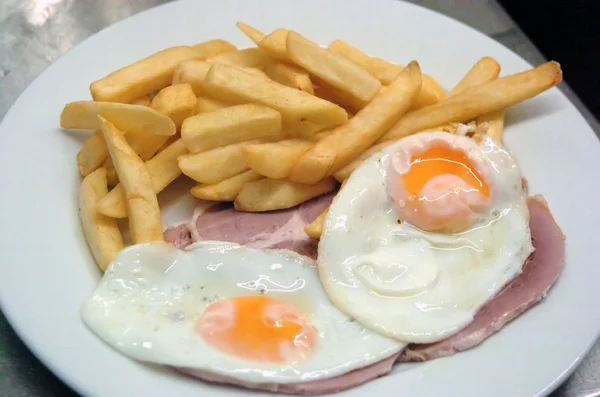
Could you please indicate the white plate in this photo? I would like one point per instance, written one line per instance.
(47, 270)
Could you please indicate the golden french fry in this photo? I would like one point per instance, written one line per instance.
(332, 94)
(230, 84)
(342, 174)
(234, 124)
(212, 48)
(163, 170)
(111, 174)
(304, 130)
(274, 194)
(494, 122)
(476, 101)
(253, 34)
(176, 102)
(142, 77)
(348, 141)
(289, 75)
(92, 154)
(205, 105)
(83, 115)
(194, 73)
(142, 101)
(226, 190)
(485, 70)
(144, 214)
(275, 160)
(431, 92)
(215, 165)
(315, 228)
(101, 232)
(248, 57)
(274, 45)
(334, 69)
(386, 72)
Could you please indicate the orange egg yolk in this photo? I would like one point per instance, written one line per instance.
(257, 328)
(442, 160)
(437, 189)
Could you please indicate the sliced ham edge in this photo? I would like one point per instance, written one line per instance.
(540, 272)
(309, 388)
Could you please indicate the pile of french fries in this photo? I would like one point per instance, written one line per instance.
(266, 127)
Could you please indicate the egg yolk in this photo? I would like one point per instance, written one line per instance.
(438, 189)
(257, 328)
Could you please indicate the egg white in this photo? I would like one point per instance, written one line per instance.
(409, 284)
(150, 297)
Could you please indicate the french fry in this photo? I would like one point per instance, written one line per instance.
(145, 224)
(315, 228)
(248, 57)
(229, 84)
(495, 123)
(194, 73)
(386, 72)
(289, 75)
(212, 48)
(92, 154)
(176, 102)
(283, 73)
(215, 165)
(348, 141)
(83, 115)
(101, 232)
(226, 190)
(334, 69)
(332, 94)
(253, 34)
(205, 105)
(163, 169)
(304, 130)
(275, 160)
(485, 70)
(235, 124)
(111, 173)
(142, 77)
(274, 45)
(476, 101)
(274, 194)
(342, 174)
(142, 101)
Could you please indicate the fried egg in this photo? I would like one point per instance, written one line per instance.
(423, 234)
(258, 316)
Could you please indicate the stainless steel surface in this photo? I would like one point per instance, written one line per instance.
(33, 33)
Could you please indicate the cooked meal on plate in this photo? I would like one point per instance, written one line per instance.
(352, 215)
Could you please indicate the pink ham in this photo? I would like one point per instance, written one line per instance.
(274, 229)
(331, 385)
(179, 236)
(540, 271)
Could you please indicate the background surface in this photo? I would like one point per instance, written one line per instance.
(34, 33)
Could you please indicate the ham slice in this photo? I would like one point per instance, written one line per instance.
(540, 271)
(310, 388)
(284, 229)
(179, 236)
(274, 229)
